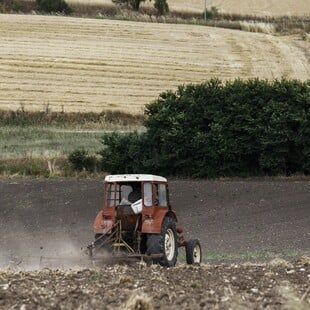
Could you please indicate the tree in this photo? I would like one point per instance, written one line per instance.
(160, 5)
(50, 6)
(135, 4)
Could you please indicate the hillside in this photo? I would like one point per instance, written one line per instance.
(253, 7)
(75, 64)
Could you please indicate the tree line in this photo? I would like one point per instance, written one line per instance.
(50, 6)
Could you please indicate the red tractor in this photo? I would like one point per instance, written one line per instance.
(137, 220)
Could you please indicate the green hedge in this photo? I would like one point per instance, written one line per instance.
(50, 6)
(80, 160)
(238, 128)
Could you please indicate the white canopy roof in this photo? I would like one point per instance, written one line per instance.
(134, 178)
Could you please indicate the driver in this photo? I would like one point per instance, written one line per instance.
(133, 196)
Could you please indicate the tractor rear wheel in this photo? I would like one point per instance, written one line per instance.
(164, 243)
(193, 252)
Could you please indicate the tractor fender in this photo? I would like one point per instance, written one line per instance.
(98, 223)
(153, 225)
(101, 225)
(172, 214)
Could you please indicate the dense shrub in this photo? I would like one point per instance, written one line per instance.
(22, 117)
(237, 128)
(161, 6)
(134, 4)
(16, 5)
(50, 6)
(126, 153)
(81, 160)
(210, 14)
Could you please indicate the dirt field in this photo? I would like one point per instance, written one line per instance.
(272, 286)
(54, 217)
(45, 218)
(75, 64)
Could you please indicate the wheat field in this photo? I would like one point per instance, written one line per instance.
(253, 7)
(75, 64)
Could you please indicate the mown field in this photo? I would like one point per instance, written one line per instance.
(74, 64)
(259, 7)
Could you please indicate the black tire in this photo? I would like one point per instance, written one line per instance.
(193, 252)
(164, 243)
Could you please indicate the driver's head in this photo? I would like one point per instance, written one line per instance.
(136, 187)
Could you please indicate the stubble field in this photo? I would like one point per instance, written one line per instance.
(252, 7)
(75, 64)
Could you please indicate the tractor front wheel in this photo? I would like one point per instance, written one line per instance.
(164, 243)
(193, 252)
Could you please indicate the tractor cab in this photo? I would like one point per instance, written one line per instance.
(140, 201)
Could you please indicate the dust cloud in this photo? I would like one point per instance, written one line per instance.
(22, 249)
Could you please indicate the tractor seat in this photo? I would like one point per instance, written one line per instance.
(123, 211)
(128, 218)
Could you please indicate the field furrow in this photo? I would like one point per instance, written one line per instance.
(90, 65)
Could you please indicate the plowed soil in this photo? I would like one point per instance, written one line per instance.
(41, 219)
(280, 286)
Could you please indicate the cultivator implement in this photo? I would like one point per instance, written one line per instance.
(112, 242)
